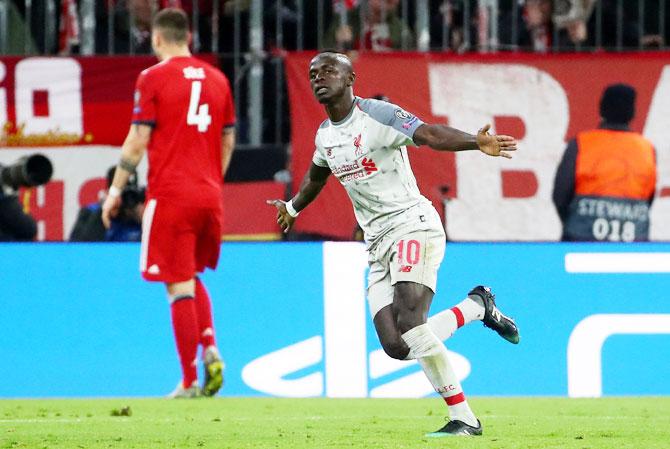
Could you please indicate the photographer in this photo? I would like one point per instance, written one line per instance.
(15, 224)
(126, 227)
(29, 171)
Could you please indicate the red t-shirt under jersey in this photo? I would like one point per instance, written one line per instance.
(188, 103)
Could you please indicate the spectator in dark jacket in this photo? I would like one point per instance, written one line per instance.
(15, 224)
(126, 227)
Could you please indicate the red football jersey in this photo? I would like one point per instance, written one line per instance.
(188, 103)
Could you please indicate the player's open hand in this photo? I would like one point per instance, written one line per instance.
(110, 209)
(283, 218)
(495, 145)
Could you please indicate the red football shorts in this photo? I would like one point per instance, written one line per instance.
(179, 241)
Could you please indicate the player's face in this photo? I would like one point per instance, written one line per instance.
(329, 78)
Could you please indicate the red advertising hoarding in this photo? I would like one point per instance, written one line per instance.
(542, 100)
(77, 111)
(67, 101)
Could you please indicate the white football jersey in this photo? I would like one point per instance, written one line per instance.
(367, 153)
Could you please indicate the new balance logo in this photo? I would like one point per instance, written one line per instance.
(369, 165)
(496, 314)
(405, 269)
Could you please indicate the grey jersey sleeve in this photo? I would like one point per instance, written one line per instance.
(401, 124)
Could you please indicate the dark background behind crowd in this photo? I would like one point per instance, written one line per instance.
(454, 25)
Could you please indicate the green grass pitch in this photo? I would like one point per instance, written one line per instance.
(238, 423)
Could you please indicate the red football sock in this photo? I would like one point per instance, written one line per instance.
(185, 326)
(203, 306)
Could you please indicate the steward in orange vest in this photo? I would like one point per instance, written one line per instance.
(606, 181)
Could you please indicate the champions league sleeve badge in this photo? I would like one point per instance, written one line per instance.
(402, 115)
(408, 118)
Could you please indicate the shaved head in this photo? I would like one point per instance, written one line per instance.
(332, 76)
(341, 59)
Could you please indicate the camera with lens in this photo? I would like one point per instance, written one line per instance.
(28, 171)
(131, 197)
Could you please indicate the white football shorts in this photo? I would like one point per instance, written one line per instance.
(413, 256)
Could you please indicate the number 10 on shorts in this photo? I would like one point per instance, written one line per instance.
(409, 251)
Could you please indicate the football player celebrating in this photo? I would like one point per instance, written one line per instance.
(363, 143)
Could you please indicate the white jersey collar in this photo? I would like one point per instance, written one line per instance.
(349, 115)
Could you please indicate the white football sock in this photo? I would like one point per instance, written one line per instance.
(432, 356)
(444, 324)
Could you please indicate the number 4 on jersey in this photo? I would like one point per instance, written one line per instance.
(198, 114)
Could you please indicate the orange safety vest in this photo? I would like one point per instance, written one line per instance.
(615, 179)
(612, 163)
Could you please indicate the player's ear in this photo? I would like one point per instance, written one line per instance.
(156, 38)
(189, 38)
(351, 79)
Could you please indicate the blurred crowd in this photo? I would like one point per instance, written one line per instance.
(58, 26)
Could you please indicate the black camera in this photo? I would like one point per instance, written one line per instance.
(28, 171)
(131, 197)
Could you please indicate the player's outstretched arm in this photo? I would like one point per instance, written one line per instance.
(311, 186)
(445, 138)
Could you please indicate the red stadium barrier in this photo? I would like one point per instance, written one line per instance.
(77, 112)
(80, 109)
(68, 101)
(246, 215)
(543, 100)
